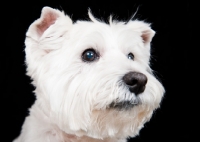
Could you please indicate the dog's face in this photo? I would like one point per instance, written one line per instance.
(93, 78)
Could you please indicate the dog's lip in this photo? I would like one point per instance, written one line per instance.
(124, 105)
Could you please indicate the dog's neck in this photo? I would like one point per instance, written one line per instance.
(72, 138)
(52, 131)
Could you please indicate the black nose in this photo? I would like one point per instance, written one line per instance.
(136, 82)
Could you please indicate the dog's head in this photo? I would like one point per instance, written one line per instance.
(93, 78)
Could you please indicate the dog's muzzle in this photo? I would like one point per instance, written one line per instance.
(136, 83)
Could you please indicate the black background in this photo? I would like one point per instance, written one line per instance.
(170, 50)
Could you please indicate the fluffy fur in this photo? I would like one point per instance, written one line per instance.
(74, 97)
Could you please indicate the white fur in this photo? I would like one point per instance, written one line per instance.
(73, 96)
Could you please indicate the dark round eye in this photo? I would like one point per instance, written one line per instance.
(89, 55)
(130, 56)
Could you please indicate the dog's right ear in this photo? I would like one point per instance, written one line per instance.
(51, 25)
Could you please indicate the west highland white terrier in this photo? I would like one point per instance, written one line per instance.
(93, 82)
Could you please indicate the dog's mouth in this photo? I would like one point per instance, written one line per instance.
(124, 105)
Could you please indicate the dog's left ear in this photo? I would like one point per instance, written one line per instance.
(144, 29)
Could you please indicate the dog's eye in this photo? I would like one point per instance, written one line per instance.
(130, 56)
(89, 55)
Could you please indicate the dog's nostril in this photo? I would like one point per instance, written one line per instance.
(130, 82)
(135, 81)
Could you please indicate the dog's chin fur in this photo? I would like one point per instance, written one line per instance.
(79, 101)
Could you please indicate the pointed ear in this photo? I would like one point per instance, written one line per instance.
(51, 24)
(44, 36)
(144, 29)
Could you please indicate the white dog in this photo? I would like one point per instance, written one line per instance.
(93, 81)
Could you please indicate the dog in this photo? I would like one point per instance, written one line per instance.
(92, 79)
